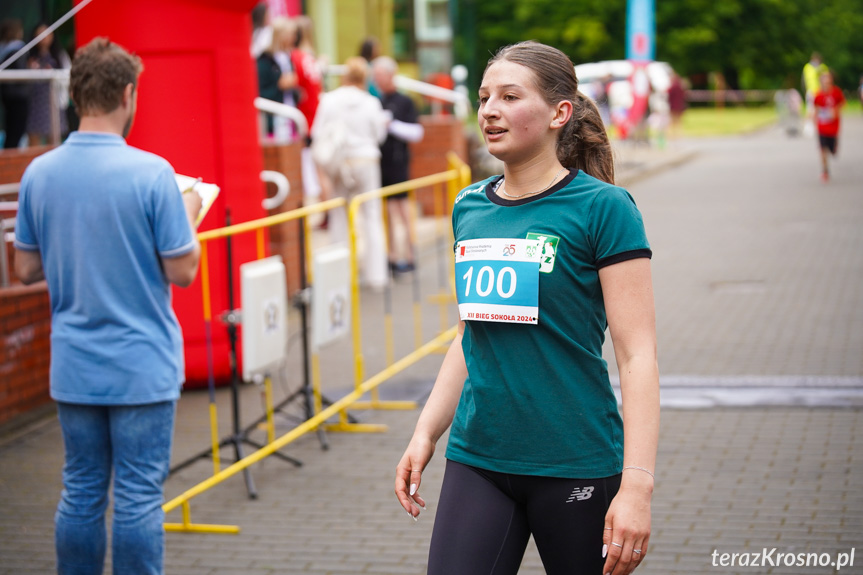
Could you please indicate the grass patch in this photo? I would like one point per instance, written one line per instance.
(853, 106)
(699, 122)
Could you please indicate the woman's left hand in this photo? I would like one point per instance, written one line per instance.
(627, 528)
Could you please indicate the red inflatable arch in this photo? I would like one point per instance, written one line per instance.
(195, 109)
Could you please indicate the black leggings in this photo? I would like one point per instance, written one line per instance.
(484, 520)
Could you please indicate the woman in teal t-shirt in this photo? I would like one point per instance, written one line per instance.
(547, 256)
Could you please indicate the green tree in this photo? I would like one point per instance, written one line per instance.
(752, 43)
(835, 29)
(586, 30)
(759, 43)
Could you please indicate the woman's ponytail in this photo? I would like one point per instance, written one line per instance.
(583, 143)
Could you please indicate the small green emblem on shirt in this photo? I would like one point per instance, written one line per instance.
(549, 250)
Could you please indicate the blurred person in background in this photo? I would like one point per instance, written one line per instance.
(46, 55)
(403, 128)
(355, 117)
(310, 84)
(309, 69)
(261, 31)
(601, 99)
(811, 81)
(827, 103)
(274, 81)
(789, 106)
(107, 227)
(15, 96)
(369, 50)
(284, 40)
(659, 117)
(676, 104)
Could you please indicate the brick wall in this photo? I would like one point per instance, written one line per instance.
(285, 238)
(14, 162)
(25, 321)
(25, 349)
(12, 166)
(428, 156)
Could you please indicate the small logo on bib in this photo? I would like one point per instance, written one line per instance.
(549, 245)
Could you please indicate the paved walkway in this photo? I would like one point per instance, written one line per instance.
(758, 272)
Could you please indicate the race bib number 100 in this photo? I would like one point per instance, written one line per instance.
(498, 280)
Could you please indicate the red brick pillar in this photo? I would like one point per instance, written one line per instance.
(285, 238)
(429, 156)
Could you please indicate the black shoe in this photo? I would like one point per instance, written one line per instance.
(404, 267)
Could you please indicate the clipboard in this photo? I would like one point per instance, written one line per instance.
(208, 193)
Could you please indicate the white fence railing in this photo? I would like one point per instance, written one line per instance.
(459, 100)
(59, 82)
(730, 96)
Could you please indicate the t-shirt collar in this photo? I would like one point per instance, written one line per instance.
(103, 138)
(491, 190)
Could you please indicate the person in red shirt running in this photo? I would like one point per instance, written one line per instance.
(827, 102)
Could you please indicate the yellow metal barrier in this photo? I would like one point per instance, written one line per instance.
(455, 178)
(295, 433)
(257, 226)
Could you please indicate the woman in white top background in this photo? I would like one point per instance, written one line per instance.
(351, 123)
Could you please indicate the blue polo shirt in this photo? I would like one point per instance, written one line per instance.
(102, 215)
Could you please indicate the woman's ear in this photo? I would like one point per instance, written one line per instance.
(562, 114)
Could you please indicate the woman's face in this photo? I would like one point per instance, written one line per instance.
(46, 41)
(287, 39)
(514, 117)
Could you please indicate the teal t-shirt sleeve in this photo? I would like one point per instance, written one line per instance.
(454, 224)
(616, 228)
(25, 231)
(476, 187)
(170, 224)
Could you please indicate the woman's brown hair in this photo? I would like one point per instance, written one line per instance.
(582, 143)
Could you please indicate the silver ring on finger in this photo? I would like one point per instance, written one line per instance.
(617, 544)
(637, 551)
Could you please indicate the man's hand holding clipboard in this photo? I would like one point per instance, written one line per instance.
(195, 191)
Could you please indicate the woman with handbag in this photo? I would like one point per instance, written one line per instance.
(349, 128)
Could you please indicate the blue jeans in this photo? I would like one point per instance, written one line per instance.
(136, 441)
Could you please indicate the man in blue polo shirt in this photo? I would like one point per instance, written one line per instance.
(107, 227)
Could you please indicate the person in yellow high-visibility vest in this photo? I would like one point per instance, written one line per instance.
(811, 80)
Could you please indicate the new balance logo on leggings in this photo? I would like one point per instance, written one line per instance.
(580, 494)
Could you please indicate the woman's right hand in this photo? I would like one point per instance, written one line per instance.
(409, 474)
(436, 417)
